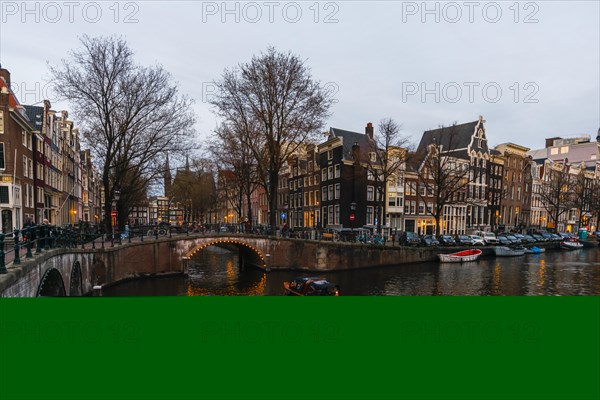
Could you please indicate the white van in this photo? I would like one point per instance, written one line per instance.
(488, 237)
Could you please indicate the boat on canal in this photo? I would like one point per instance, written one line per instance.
(504, 251)
(571, 244)
(461, 256)
(310, 286)
(589, 243)
(535, 250)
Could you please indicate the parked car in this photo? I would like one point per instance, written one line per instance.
(524, 238)
(513, 239)
(529, 238)
(504, 241)
(556, 238)
(488, 237)
(409, 239)
(446, 240)
(547, 237)
(538, 237)
(463, 240)
(429, 240)
(477, 240)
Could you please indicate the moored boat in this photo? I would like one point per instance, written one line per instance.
(503, 251)
(310, 286)
(571, 244)
(535, 250)
(461, 256)
(588, 243)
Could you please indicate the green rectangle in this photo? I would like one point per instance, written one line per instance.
(299, 348)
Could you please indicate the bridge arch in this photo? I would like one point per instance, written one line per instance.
(76, 281)
(51, 284)
(259, 259)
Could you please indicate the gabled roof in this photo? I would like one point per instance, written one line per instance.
(12, 99)
(349, 138)
(451, 137)
(35, 115)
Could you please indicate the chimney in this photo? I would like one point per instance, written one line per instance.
(550, 141)
(355, 152)
(6, 75)
(369, 130)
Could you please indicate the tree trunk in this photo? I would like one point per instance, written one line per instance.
(107, 202)
(272, 193)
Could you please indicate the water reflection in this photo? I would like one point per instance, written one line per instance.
(217, 272)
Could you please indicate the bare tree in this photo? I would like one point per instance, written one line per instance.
(554, 191)
(193, 188)
(230, 154)
(442, 177)
(275, 106)
(130, 115)
(581, 197)
(387, 156)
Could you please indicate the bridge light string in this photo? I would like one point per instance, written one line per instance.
(256, 251)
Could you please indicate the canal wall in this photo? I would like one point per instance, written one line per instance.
(79, 270)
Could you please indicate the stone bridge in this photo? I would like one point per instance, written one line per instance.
(75, 271)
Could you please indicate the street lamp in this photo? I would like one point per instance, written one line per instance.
(116, 197)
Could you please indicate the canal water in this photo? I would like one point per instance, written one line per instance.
(559, 273)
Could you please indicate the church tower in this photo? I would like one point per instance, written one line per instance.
(167, 178)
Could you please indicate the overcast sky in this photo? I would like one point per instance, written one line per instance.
(532, 69)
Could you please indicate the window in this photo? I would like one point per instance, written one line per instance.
(392, 201)
(330, 192)
(554, 151)
(337, 215)
(4, 199)
(337, 170)
(24, 138)
(330, 172)
(330, 215)
(421, 208)
(323, 174)
(1, 153)
(337, 190)
(324, 194)
(564, 149)
(370, 193)
(330, 155)
(25, 167)
(1, 122)
(369, 215)
(413, 207)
